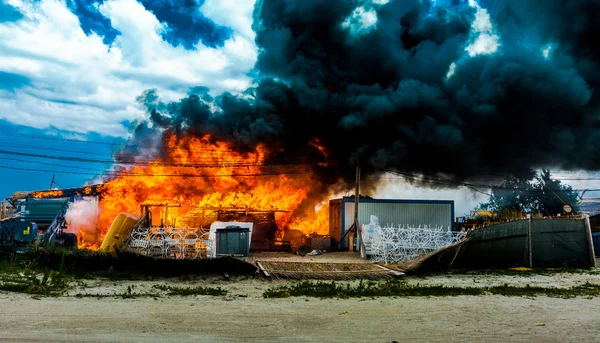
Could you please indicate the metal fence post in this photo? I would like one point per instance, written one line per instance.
(588, 236)
(529, 241)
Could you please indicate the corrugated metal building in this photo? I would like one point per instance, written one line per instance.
(390, 212)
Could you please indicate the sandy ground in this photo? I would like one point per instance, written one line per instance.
(209, 319)
(244, 316)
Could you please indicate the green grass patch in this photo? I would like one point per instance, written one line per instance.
(169, 290)
(21, 275)
(398, 288)
(586, 289)
(185, 291)
(127, 265)
(127, 294)
(49, 283)
(528, 272)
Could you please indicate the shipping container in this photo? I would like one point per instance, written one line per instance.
(393, 212)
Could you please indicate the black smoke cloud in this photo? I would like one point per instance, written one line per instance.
(382, 96)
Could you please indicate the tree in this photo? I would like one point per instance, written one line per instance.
(530, 193)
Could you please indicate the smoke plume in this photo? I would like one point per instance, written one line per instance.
(82, 219)
(459, 88)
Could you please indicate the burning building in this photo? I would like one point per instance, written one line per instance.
(200, 180)
(203, 180)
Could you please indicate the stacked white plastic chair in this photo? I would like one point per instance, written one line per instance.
(405, 243)
(177, 243)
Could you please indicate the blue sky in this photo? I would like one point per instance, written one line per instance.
(70, 70)
(22, 169)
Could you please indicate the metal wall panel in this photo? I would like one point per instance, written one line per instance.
(554, 243)
(399, 212)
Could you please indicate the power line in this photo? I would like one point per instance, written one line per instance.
(25, 146)
(209, 164)
(116, 174)
(429, 179)
(49, 164)
(10, 134)
(126, 144)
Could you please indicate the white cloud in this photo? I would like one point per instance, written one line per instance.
(546, 51)
(482, 22)
(484, 41)
(78, 83)
(235, 14)
(451, 70)
(25, 109)
(484, 44)
(361, 20)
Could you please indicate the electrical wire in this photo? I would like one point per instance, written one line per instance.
(49, 164)
(205, 160)
(470, 185)
(126, 162)
(125, 144)
(26, 146)
(116, 174)
(11, 134)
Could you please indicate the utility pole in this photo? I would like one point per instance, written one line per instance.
(529, 241)
(357, 228)
(354, 230)
(52, 182)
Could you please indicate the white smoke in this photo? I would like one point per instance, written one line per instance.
(396, 187)
(82, 219)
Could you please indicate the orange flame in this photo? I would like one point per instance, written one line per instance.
(41, 194)
(201, 174)
(316, 143)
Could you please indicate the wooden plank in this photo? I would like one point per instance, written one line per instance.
(260, 266)
(395, 272)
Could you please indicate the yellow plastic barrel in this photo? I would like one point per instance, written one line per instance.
(119, 230)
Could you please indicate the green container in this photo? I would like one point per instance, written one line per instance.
(42, 211)
(233, 241)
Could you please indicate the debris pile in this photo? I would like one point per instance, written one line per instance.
(326, 270)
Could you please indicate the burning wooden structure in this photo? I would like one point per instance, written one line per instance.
(197, 180)
(267, 236)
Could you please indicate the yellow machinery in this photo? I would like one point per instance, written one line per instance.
(481, 213)
(119, 230)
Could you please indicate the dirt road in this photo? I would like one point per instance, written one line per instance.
(243, 315)
(254, 319)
